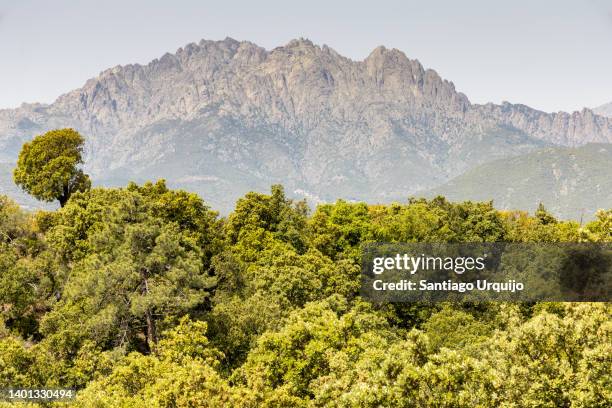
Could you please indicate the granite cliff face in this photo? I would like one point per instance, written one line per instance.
(225, 117)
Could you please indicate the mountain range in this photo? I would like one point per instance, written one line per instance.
(225, 117)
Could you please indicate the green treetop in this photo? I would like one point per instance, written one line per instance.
(48, 166)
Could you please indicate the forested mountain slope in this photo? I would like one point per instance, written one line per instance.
(571, 182)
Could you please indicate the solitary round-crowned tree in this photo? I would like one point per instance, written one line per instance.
(49, 166)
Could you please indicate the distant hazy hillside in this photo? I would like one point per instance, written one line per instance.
(225, 117)
(569, 181)
(604, 110)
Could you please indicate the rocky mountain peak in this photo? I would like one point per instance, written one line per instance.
(382, 54)
(293, 86)
(301, 43)
(234, 74)
(300, 114)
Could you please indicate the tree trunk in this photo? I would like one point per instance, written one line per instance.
(63, 198)
(151, 329)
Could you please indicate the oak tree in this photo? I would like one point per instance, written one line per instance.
(48, 167)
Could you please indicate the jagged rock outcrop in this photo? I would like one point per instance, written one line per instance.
(225, 117)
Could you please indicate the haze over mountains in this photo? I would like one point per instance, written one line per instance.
(225, 117)
(604, 110)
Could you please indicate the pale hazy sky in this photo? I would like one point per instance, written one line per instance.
(549, 54)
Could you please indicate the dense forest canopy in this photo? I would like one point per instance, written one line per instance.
(143, 296)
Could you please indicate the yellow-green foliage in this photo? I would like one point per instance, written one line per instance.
(48, 166)
(144, 297)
